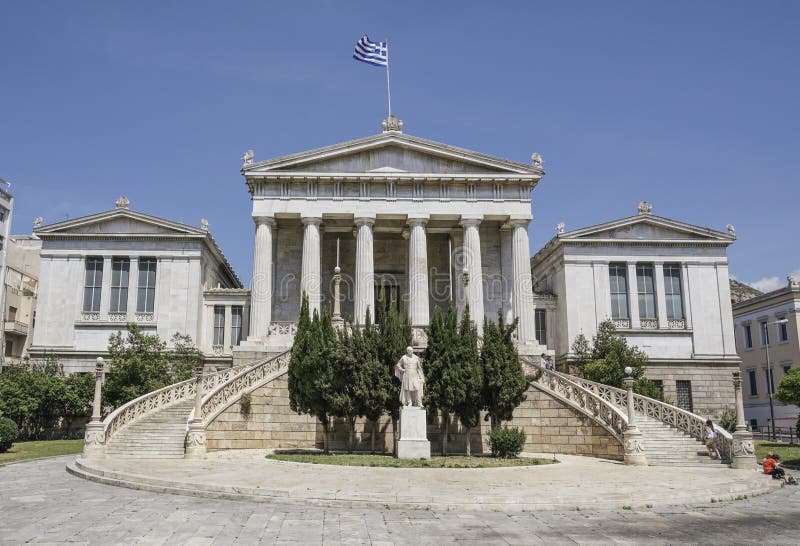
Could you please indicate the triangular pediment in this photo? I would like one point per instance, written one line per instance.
(119, 222)
(392, 152)
(646, 227)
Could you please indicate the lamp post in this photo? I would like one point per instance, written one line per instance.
(770, 382)
(94, 443)
(634, 453)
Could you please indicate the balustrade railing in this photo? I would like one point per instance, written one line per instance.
(611, 417)
(226, 392)
(685, 421)
(282, 328)
(156, 400)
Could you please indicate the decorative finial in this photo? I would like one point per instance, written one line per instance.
(123, 202)
(247, 158)
(203, 224)
(560, 227)
(794, 282)
(731, 229)
(537, 160)
(392, 124)
(645, 208)
(37, 222)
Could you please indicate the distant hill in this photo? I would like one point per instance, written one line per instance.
(741, 291)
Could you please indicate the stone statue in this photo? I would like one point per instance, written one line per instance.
(203, 224)
(731, 229)
(409, 371)
(560, 227)
(37, 223)
(122, 203)
(644, 208)
(247, 158)
(537, 160)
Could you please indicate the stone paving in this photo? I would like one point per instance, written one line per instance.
(41, 503)
(575, 482)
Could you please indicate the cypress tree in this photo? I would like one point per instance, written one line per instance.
(310, 368)
(393, 338)
(441, 357)
(504, 382)
(467, 375)
(373, 384)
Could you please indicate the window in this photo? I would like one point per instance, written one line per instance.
(540, 318)
(236, 324)
(145, 302)
(618, 280)
(683, 389)
(783, 331)
(753, 424)
(120, 273)
(786, 368)
(753, 382)
(764, 331)
(3, 213)
(9, 347)
(748, 337)
(12, 313)
(219, 325)
(672, 290)
(659, 385)
(387, 294)
(647, 294)
(93, 284)
(769, 375)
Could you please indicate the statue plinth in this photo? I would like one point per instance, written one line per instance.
(413, 442)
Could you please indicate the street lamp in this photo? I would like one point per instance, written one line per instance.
(770, 385)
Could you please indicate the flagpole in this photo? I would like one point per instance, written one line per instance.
(388, 87)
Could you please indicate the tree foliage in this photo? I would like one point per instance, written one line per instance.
(468, 376)
(441, 356)
(42, 401)
(605, 360)
(788, 390)
(504, 381)
(141, 363)
(311, 378)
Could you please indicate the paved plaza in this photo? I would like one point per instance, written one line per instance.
(41, 503)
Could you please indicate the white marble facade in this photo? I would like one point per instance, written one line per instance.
(406, 219)
(99, 272)
(665, 285)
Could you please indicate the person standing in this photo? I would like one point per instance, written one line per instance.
(711, 440)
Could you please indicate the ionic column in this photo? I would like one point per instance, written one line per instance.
(418, 271)
(473, 269)
(365, 270)
(310, 279)
(522, 297)
(261, 285)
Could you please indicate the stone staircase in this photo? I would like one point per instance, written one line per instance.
(157, 435)
(667, 446)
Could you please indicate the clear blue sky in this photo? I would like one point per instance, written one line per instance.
(690, 105)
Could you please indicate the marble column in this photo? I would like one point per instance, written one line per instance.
(261, 285)
(365, 270)
(473, 269)
(522, 297)
(743, 455)
(94, 442)
(310, 279)
(418, 271)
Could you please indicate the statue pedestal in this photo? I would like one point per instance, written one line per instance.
(413, 442)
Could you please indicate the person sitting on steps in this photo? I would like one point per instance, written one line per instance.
(773, 467)
(711, 440)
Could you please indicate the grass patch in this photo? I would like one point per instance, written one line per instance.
(789, 453)
(359, 459)
(36, 450)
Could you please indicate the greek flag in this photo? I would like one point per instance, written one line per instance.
(375, 53)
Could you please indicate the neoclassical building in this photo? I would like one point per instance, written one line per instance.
(665, 285)
(393, 219)
(101, 271)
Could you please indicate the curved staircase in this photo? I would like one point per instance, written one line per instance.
(158, 435)
(154, 426)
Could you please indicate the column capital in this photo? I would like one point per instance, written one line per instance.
(312, 220)
(471, 219)
(264, 220)
(364, 219)
(417, 219)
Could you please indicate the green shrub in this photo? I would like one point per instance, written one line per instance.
(8, 433)
(506, 442)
